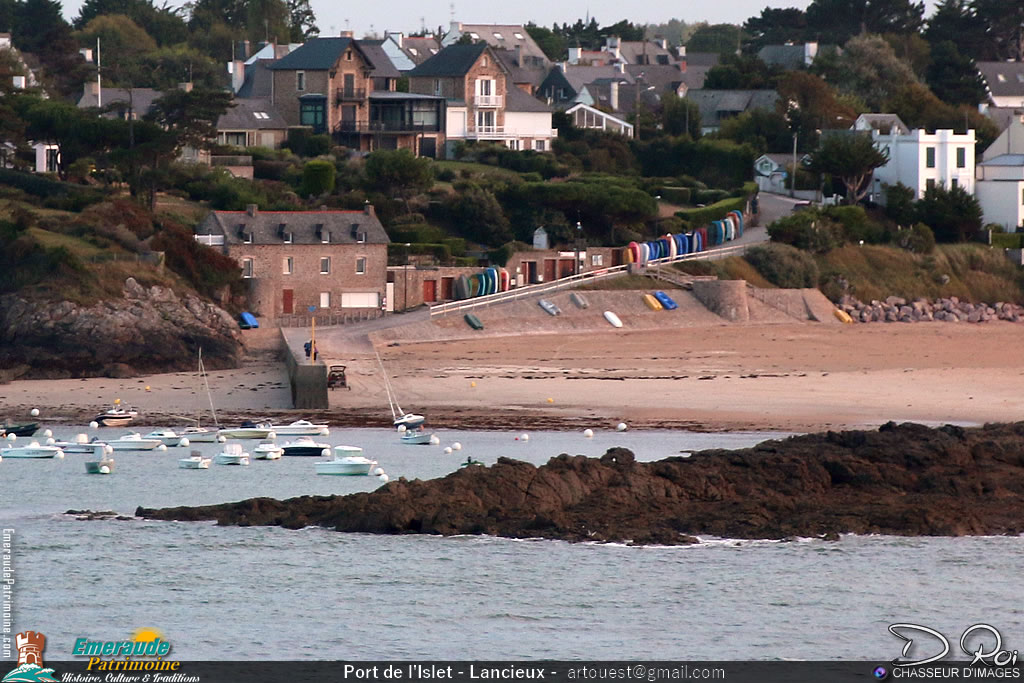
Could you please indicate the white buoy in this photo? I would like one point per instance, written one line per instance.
(401, 428)
(34, 412)
(94, 425)
(434, 440)
(384, 478)
(50, 441)
(456, 446)
(524, 437)
(47, 433)
(108, 449)
(378, 471)
(184, 442)
(12, 437)
(81, 438)
(685, 455)
(588, 433)
(104, 469)
(326, 452)
(447, 450)
(59, 455)
(271, 435)
(325, 432)
(221, 438)
(621, 427)
(161, 448)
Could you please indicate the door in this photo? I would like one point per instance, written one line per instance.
(288, 302)
(350, 85)
(565, 268)
(348, 117)
(529, 273)
(428, 147)
(429, 291)
(447, 284)
(550, 266)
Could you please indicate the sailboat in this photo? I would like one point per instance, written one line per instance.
(401, 418)
(196, 433)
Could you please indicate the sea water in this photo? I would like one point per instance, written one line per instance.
(270, 593)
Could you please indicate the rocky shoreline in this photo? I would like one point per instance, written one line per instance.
(900, 479)
(952, 310)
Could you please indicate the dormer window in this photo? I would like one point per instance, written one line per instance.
(474, 36)
(1001, 77)
(413, 52)
(361, 237)
(499, 36)
(247, 238)
(518, 35)
(348, 55)
(288, 238)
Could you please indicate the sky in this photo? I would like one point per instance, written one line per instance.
(410, 15)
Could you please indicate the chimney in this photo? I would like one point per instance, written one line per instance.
(621, 67)
(244, 47)
(455, 27)
(398, 37)
(251, 209)
(86, 53)
(237, 71)
(613, 95)
(611, 44)
(810, 52)
(575, 55)
(681, 50)
(519, 55)
(187, 87)
(368, 209)
(662, 43)
(345, 33)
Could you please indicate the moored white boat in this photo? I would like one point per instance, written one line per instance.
(301, 427)
(249, 430)
(401, 418)
(231, 455)
(32, 450)
(195, 461)
(82, 444)
(267, 450)
(415, 438)
(116, 417)
(199, 434)
(167, 437)
(409, 421)
(305, 446)
(133, 441)
(101, 462)
(348, 461)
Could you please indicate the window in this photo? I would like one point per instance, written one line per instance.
(247, 267)
(929, 184)
(929, 157)
(433, 50)
(597, 259)
(325, 235)
(1022, 197)
(437, 86)
(325, 265)
(361, 265)
(300, 80)
(51, 160)
(518, 35)
(247, 237)
(474, 36)
(483, 62)
(1001, 77)
(261, 115)
(954, 183)
(499, 36)
(348, 56)
(413, 52)
(539, 145)
(513, 144)
(288, 238)
(288, 265)
(360, 237)
(961, 157)
(325, 299)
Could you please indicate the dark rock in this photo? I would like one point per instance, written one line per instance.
(901, 479)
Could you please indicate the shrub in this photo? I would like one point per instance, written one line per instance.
(697, 218)
(917, 239)
(856, 224)
(676, 195)
(297, 138)
(317, 178)
(270, 169)
(318, 145)
(783, 265)
(1007, 240)
(807, 230)
(445, 175)
(899, 203)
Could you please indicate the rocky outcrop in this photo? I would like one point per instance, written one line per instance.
(147, 330)
(901, 479)
(897, 309)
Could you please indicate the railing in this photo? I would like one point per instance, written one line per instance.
(576, 280)
(386, 127)
(351, 94)
(487, 100)
(351, 316)
(488, 133)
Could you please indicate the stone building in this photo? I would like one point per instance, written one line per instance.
(331, 261)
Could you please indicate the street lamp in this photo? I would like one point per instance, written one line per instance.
(579, 233)
(405, 278)
(792, 184)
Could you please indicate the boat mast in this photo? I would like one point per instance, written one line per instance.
(387, 387)
(202, 373)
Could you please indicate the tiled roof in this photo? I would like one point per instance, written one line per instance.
(304, 227)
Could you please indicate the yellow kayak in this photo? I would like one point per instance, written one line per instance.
(652, 303)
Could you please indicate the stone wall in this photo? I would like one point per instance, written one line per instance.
(726, 298)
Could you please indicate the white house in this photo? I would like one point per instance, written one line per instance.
(527, 122)
(771, 174)
(1000, 190)
(921, 160)
(47, 157)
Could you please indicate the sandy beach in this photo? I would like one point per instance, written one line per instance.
(789, 376)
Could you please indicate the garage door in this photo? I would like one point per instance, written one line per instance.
(360, 300)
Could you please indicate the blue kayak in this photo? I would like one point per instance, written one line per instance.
(666, 301)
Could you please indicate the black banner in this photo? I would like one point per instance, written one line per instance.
(508, 671)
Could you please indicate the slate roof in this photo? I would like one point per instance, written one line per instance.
(1004, 79)
(507, 39)
(517, 100)
(141, 98)
(268, 227)
(420, 48)
(884, 123)
(317, 54)
(534, 75)
(251, 114)
(707, 59)
(454, 60)
(1005, 160)
(789, 57)
(633, 52)
(382, 65)
(579, 76)
(714, 103)
(258, 79)
(664, 77)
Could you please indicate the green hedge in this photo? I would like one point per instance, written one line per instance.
(1008, 240)
(58, 195)
(676, 195)
(397, 252)
(698, 218)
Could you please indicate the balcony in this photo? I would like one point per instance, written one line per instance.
(386, 127)
(488, 101)
(351, 94)
(488, 133)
